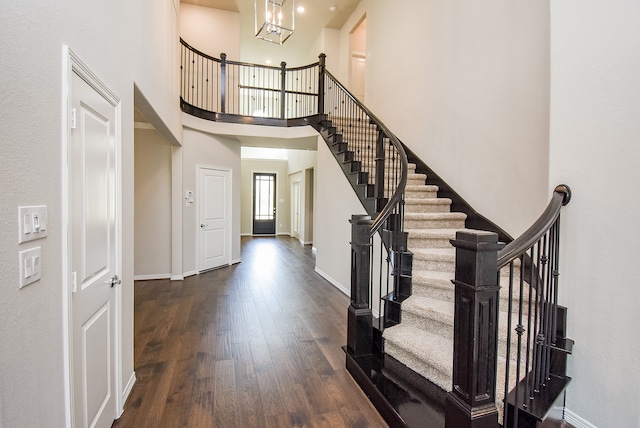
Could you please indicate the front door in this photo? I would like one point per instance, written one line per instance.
(214, 239)
(264, 204)
(93, 250)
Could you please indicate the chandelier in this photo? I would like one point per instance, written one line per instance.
(274, 20)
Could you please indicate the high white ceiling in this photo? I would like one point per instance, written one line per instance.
(319, 10)
(308, 26)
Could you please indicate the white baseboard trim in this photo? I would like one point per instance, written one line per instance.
(151, 277)
(177, 277)
(556, 412)
(314, 250)
(190, 273)
(333, 282)
(235, 261)
(128, 388)
(245, 234)
(576, 420)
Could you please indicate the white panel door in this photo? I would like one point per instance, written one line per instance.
(93, 255)
(214, 249)
(358, 67)
(295, 209)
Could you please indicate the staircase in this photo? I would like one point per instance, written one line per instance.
(417, 215)
(418, 329)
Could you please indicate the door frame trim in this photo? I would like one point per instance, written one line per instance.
(199, 167)
(262, 171)
(71, 64)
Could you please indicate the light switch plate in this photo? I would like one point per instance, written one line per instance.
(30, 266)
(32, 223)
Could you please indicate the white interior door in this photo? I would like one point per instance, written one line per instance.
(214, 237)
(358, 67)
(93, 254)
(295, 208)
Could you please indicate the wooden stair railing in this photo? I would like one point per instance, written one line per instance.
(534, 366)
(375, 163)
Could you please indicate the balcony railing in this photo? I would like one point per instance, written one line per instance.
(219, 86)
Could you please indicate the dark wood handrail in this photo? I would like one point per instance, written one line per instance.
(397, 196)
(188, 46)
(246, 64)
(561, 197)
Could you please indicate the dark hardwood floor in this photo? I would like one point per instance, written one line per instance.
(256, 344)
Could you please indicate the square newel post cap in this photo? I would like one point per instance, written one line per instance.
(476, 257)
(477, 240)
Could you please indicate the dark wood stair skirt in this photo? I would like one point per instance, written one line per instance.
(403, 398)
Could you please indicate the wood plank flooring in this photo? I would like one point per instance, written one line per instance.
(256, 344)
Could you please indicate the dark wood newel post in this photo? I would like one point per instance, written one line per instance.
(380, 169)
(283, 89)
(321, 68)
(359, 322)
(223, 83)
(471, 403)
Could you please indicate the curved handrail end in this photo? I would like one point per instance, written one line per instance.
(563, 188)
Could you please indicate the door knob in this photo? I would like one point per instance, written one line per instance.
(114, 281)
(202, 225)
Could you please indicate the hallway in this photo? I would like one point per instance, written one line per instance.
(257, 344)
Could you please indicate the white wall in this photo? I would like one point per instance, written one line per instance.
(465, 85)
(594, 134)
(327, 43)
(335, 203)
(201, 147)
(299, 160)
(155, 42)
(104, 35)
(152, 225)
(279, 167)
(211, 31)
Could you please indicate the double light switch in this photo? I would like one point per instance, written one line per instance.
(30, 266)
(32, 223)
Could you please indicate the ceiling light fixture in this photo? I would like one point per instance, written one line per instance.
(274, 20)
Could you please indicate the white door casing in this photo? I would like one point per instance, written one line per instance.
(214, 217)
(92, 247)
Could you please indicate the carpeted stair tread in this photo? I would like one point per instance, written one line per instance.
(434, 259)
(426, 353)
(427, 205)
(435, 233)
(427, 201)
(438, 285)
(423, 188)
(446, 220)
(435, 316)
(460, 216)
(431, 356)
